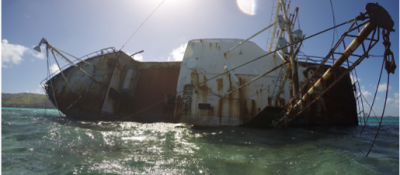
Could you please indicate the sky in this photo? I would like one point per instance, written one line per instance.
(81, 27)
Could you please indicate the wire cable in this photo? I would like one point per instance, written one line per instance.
(373, 101)
(383, 112)
(334, 24)
(141, 25)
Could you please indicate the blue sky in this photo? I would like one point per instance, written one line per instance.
(81, 27)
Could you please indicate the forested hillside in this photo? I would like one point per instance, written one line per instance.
(25, 100)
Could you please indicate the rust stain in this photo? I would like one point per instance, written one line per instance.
(220, 85)
(194, 77)
(90, 94)
(253, 108)
(269, 101)
(110, 62)
(205, 92)
(210, 46)
(219, 112)
(243, 111)
(188, 91)
(178, 105)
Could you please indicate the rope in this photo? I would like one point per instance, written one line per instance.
(373, 101)
(383, 112)
(334, 23)
(234, 47)
(141, 25)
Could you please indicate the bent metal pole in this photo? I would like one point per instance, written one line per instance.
(368, 28)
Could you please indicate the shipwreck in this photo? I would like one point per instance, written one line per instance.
(224, 82)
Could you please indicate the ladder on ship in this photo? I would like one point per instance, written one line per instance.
(277, 85)
(358, 95)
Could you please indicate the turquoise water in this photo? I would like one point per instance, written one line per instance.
(38, 141)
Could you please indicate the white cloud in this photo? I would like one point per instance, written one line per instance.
(37, 54)
(354, 79)
(138, 57)
(382, 87)
(54, 69)
(394, 102)
(177, 54)
(365, 93)
(12, 53)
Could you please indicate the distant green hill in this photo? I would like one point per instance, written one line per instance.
(25, 100)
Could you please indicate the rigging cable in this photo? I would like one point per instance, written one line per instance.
(142, 24)
(373, 101)
(334, 23)
(383, 112)
(51, 81)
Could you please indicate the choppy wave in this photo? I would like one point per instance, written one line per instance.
(35, 141)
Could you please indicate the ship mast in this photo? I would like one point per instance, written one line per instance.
(286, 27)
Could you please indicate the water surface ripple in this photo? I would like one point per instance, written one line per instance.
(35, 141)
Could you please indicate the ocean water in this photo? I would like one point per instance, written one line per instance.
(38, 141)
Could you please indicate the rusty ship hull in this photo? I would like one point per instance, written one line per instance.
(117, 87)
(208, 95)
(121, 88)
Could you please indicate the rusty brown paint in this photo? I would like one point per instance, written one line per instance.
(220, 85)
(244, 114)
(219, 112)
(87, 104)
(178, 105)
(194, 77)
(336, 106)
(269, 101)
(205, 89)
(368, 28)
(149, 65)
(153, 84)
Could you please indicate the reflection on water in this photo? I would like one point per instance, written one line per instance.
(56, 145)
